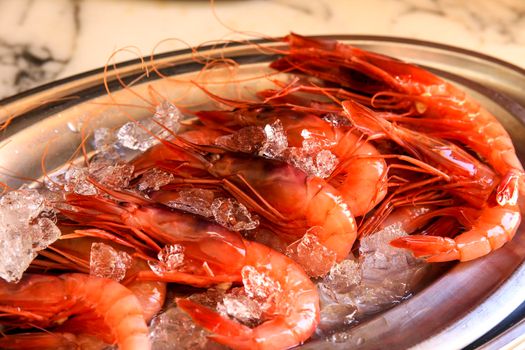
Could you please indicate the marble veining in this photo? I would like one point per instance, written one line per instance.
(44, 40)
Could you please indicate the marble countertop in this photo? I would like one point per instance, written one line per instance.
(44, 40)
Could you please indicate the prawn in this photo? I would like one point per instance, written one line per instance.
(438, 106)
(76, 248)
(468, 178)
(291, 200)
(489, 227)
(214, 255)
(289, 322)
(103, 307)
(361, 178)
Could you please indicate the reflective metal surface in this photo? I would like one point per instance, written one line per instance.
(450, 313)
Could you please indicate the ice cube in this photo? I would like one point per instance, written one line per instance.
(108, 173)
(173, 329)
(43, 232)
(276, 140)
(172, 256)
(337, 120)
(248, 140)
(154, 179)
(233, 215)
(314, 143)
(343, 276)
(308, 252)
(141, 135)
(325, 163)
(196, 200)
(108, 262)
(259, 285)
(76, 180)
(26, 226)
(104, 139)
(385, 275)
(240, 306)
(321, 163)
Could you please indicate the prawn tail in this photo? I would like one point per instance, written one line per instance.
(509, 188)
(225, 331)
(432, 248)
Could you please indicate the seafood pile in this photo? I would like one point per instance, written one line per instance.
(259, 224)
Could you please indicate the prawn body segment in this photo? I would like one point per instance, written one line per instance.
(49, 301)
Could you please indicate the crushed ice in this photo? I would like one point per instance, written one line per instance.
(313, 157)
(381, 277)
(240, 306)
(233, 215)
(108, 262)
(170, 258)
(174, 329)
(227, 212)
(195, 200)
(313, 256)
(26, 226)
(276, 140)
(154, 179)
(248, 140)
(143, 134)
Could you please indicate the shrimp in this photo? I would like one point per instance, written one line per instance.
(468, 178)
(77, 250)
(438, 106)
(77, 302)
(489, 226)
(214, 255)
(288, 323)
(488, 229)
(361, 178)
(304, 201)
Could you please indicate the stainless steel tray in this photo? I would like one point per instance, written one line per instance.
(450, 313)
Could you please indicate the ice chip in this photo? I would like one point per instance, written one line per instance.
(196, 200)
(141, 135)
(26, 227)
(76, 180)
(107, 262)
(319, 163)
(111, 174)
(248, 140)
(44, 231)
(154, 179)
(259, 285)
(174, 329)
(241, 307)
(104, 139)
(313, 256)
(276, 140)
(135, 136)
(172, 256)
(337, 120)
(325, 163)
(168, 115)
(343, 276)
(380, 278)
(233, 215)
